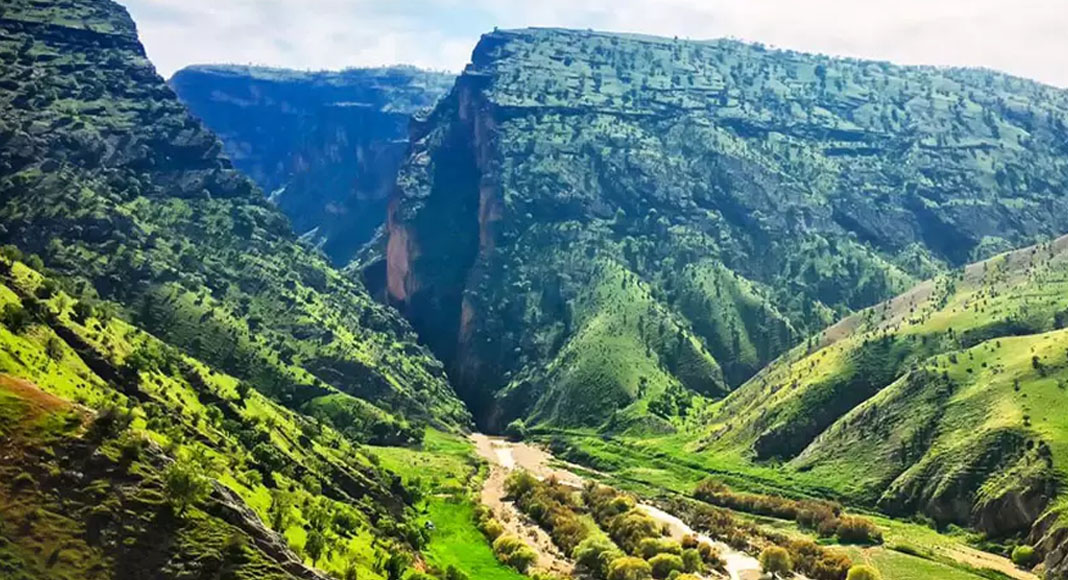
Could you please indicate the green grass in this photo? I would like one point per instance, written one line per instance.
(450, 475)
(897, 566)
(457, 542)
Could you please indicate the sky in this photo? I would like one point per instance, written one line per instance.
(1023, 37)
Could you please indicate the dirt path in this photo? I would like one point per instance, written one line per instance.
(505, 456)
(979, 559)
(501, 461)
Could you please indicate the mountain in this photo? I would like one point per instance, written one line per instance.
(325, 146)
(109, 179)
(591, 227)
(186, 390)
(946, 400)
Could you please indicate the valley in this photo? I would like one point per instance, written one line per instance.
(602, 306)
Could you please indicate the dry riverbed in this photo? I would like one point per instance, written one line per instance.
(504, 456)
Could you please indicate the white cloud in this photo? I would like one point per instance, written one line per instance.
(1025, 37)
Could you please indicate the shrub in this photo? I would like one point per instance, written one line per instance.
(513, 552)
(710, 555)
(629, 529)
(818, 562)
(516, 430)
(776, 562)
(650, 547)
(519, 484)
(595, 554)
(522, 559)
(1024, 556)
(627, 568)
(692, 561)
(855, 530)
(109, 423)
(664, 564)
(491, 528)
(861, 572)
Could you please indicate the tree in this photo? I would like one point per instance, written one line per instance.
(185, 485)
(776, 562)
(314, 546)
(15, 317)
(862, 572)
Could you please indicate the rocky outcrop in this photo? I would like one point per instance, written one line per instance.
(325, 146)
(1050, 536)
(228, 507)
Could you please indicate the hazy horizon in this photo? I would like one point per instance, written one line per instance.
(440, 34)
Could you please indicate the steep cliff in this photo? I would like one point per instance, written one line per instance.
(325, 146)
(592, 226)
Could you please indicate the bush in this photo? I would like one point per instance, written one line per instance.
(817, 562)
(664, 564)
(629, 529)
(861, 572)
(512, 551)
(710, 555)
(491, 528)
(628, 568)
(595, 554)
(110, 422)
(1024, 556)
(650, 547)
(692, 561)
(854, 530)
(776, 562)
(516, 430)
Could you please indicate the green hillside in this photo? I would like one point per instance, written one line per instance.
(96, 416)
(106, 177)
(636, 219)
(324, 146)
(946, 401)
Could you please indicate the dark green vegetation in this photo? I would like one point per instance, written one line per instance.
(944, 404)
(185, 389)
(178, 467)
(945, 401)
(611, 234)
(325, 146)
(592, 227)
(124, 195)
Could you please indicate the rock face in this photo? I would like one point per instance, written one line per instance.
(106, 176)
(591, 226)
(325, 146)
